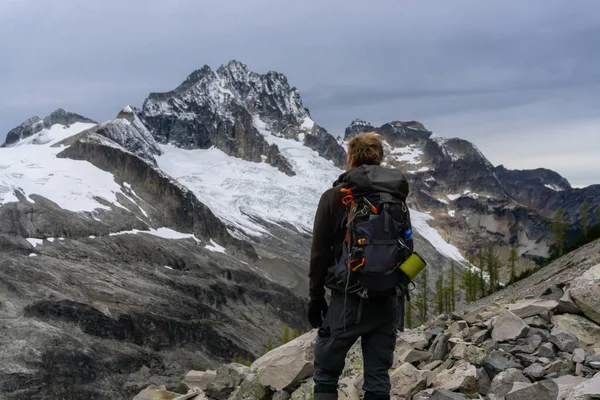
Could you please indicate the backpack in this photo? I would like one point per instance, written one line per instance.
(378, 233)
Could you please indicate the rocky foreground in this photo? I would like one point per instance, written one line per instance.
(542, 347)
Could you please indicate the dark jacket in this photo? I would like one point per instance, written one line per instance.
(329, 231)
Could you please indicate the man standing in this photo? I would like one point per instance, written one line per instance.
(352, 315)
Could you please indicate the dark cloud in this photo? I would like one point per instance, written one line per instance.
(486, 71)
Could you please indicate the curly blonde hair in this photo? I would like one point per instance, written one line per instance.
(365, 149)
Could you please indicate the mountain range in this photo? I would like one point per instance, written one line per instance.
(178, 233)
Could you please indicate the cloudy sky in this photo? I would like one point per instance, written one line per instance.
(520, 79)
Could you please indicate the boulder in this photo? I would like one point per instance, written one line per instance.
(579, 356)
(200, 379)
(585, 292)
(250, 389)
(544, 390)
(527, 345)
(536, 322)
(431, 366)
(441, 394)
(414, 356)
(546, 350)
(424, 394)
(439, 347)
(288, 364)
(458, 329)
(566, 305)
(461, 378)
(483, 381)
(509, 326)
(535, 371)
(527, 359)
(413, 339)
(459, 351)
(567, 383)
(586, 331)
(483, 313)
(498, 361)
(559, 367)
(564, 340)
(153, 392)
(281, 395)
(480, 337)
(585, 390)
(229, 377)
(552, 293)
(529, 308)
(475, 355)
(305, 391)
(543, 333)
(503, 382)
(407, 381)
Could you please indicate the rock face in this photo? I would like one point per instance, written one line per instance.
(35, 124)
(239, 112)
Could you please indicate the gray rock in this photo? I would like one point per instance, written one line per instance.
(475, 355)
(552, 293)
(536, 322)
(579, 356)
(424, 394)
(457, 328)
(544, 390)
(414, 356)
(431, 366)
(250, 389)
(200, 379)
(564, 340)
(498, 361)
(229, 377)
(546, 350)
(529, 308)
(567, 383)
(439, 347)
(503, 382)
(289, 364)
(585, 292)
(462, 377)
(527, 359)
(535, 371)
(281, 395)
(441, 394)
(566, 305)
(585, 390)
(586, 331)
(509, 326)
(528, 345)
(591, 359)
(560, 367)
(543, 333)
(305, 391)
(153, 392)
(407, 381)
(483, 381)
(480, 336)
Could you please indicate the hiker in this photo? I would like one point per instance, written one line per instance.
(371, 314)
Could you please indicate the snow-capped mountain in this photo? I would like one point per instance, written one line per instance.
(166, 231)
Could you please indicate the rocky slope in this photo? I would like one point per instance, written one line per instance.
(540, 341)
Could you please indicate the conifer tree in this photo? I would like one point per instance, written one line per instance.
(286, 334)
(425, 305)
(294, 333)
(559, 226)
(489, 260)
(419, 307)
(512, 264)
(439, 294)
(585, 222)
(269, 344)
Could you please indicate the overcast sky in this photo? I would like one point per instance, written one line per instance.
(520, 79)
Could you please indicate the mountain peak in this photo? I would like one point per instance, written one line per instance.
(35, 124)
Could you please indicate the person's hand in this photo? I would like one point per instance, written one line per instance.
(317, 308)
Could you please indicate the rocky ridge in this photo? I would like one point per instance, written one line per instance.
(543, 347)
(35, 124)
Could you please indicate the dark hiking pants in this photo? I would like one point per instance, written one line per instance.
(377, 330)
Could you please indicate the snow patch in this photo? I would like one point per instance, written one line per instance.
(50, 239)
(214, 246)
(419, 221)
(166, 266)
(443, 201)
(128, 109)
(35, 242)
(165, 233)
(554, 187)
(453, 197)
(452, 213)
(33, 255)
